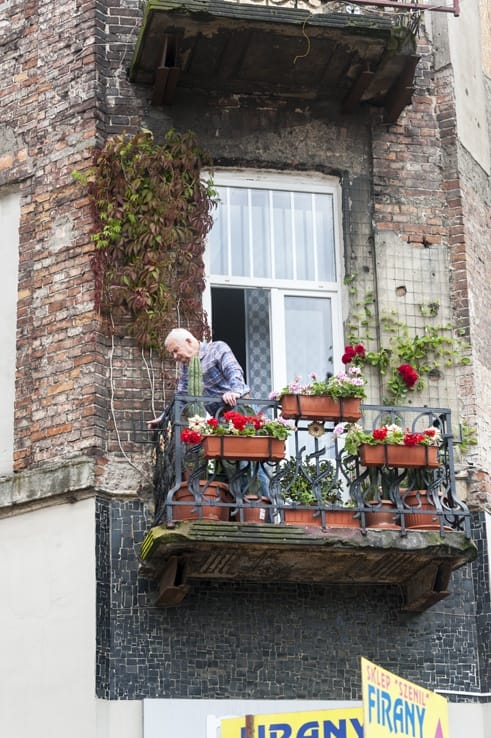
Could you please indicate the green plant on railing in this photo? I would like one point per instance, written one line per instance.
(466, 438)
(407, 361)
(298, 480)
(152, 212)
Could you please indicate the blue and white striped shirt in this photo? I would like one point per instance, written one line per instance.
(221, 371)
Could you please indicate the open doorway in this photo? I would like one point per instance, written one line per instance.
(241, 317)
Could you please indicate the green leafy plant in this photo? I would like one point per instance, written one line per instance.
(343, 384)
(407, 361)
(300, 481)
(152, 213)
(467, 437)
(354, 435)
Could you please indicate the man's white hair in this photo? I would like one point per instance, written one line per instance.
(178, 334)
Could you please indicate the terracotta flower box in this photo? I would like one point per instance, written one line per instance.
(389, 454)
(342, 518)
(248, 448)
(302, 516)
(320, 407)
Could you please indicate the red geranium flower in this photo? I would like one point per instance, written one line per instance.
(191, 436)
(349, 354)
(380, 434)
(408, 374)
(412, 439)
(257, 421)
(351, 351)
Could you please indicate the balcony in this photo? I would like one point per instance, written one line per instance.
(281, 52)
(237, 523)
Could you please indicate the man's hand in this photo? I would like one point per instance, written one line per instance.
(154, 423)
(230, 398)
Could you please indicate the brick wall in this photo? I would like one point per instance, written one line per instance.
(49, 120)
(52, 115)
(78, 391)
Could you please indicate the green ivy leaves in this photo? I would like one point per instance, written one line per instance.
(152, 212)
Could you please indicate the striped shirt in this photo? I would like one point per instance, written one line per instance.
(221, 371)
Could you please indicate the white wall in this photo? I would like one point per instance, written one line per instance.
(47, 623)
(9, 253)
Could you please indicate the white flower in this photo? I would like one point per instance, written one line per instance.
(197, 423)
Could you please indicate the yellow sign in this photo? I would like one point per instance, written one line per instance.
(394, 707)
(340, 723)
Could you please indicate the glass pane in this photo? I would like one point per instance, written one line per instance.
(277, 234)
(217, 238)
(282, 235)
(308, 331)
(260, 224)
(239, 231)
(324, 237)
(304, 242)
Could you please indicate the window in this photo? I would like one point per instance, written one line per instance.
(273, 274)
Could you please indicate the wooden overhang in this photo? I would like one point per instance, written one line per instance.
(220, 48)
(419, 564)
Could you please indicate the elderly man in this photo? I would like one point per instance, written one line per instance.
(223, 376)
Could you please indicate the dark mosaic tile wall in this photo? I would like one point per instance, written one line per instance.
(103, 610)
(248, 641)
(483, 604)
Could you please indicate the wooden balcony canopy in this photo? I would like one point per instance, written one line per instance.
(222, 48)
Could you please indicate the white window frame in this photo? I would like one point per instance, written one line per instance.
(311, 182)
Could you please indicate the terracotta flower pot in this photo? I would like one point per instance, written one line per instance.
(418, 498)
(384, 515)
(252, 448)
(391, 454)
(255, 513)
(215, 491)
(320, 407)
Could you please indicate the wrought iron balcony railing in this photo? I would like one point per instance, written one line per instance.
(317, 475)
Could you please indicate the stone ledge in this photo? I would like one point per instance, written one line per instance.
(71, 476)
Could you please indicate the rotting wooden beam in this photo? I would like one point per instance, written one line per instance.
(167, 73)
(353, 98)
(401, 92)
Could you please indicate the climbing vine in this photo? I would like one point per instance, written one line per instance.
(152, 213)
(406, 361)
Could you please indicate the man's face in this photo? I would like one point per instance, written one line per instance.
(181, 350)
